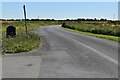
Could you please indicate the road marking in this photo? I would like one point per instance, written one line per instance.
(101, 54)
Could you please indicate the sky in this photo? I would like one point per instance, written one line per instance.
(60, 10)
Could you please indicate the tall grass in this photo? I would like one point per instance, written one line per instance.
(30, 24)
(105, 30)
(22, 42)
(96, 28)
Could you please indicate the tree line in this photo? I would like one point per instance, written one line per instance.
(79, 19)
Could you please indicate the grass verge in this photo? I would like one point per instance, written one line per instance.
(20, 43)
(108, 37)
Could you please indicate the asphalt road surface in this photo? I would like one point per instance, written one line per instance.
(65, 54)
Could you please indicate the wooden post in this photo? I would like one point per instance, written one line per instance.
(25, 18)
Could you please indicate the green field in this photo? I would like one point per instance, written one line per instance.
(107, 30)
(22, 42)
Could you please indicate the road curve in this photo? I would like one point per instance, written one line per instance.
(64, 54)
(73, 55)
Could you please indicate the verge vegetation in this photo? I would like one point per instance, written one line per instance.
(107, 30)
(22, 42)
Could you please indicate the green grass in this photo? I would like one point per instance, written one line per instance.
(22, 42)
(32, 25)
(108, 37)
(107, 28)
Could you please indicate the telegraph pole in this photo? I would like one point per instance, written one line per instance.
(25, 18)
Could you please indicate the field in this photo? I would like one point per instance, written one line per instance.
(103, 29)
(22, 42)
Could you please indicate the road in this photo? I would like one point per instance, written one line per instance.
(65, 54)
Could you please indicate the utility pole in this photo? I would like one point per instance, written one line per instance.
(25, 18)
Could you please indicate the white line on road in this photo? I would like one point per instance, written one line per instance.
(98, 52)
(101, 54)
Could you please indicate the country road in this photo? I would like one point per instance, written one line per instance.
(65, 54)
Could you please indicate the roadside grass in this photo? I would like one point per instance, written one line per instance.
(106, 30)
(108, 37)
(22, 42)
(32, 25)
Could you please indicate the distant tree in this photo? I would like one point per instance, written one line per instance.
(42, 20)
(47, 20)
(27, 19)
(2, 19)
(95, 19)
(80, 19)
(52, 20)
(103, 19)
(17, 19)
(83, 19)
(34, 19)
(89, 19)
(67, 19)
(10, 19)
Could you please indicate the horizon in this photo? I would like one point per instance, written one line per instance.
(53, 19)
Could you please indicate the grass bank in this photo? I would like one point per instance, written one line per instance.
(103, 29)
(108, 37)
(22, 42)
